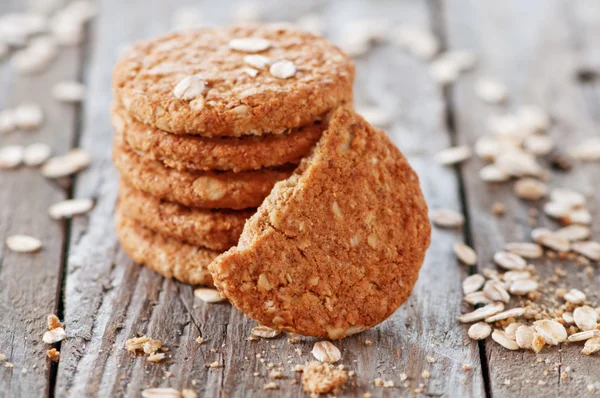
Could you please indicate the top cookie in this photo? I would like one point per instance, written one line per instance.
(233, 80)
(337, 247)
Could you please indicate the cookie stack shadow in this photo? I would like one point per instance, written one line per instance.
(196, 155)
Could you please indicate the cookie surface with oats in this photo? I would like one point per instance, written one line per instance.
(233, 80)
(212, 229)
(207, 189)
(337, 247)
(218, 153)
(166, 256)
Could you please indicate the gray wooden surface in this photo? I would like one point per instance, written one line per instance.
(536, 47)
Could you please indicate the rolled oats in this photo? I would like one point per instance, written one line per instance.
(552, 332)
(283, 69)
(491, 91)
(324, 351)
(477, 298)
(524, 336)
(209, 295)
(250, 44)
(28, 116)
(482, 313)
(530, 189)
(499, 336)
(36, 154)
(588, 249)
(591, 346)
(54, 336)
(510, 261)
(583, 336)
(65, 165)
(70, 208)
(465, 253)
(454, 155)
(23, 243)
(538, 145)
(574, 232)
(491, 173)
(575, 296)
(473, 283)
(11, 156)
(522, 287)
(446, 218)
(567, 197)
(189, 88)
(265, 332)
(512, 313)
(257, 61)
(524, 249)
(586, 318)
(496, 291)
(69, 91)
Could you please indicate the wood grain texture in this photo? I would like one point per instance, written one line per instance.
(535, 48)
(108, 299)
(30, 283)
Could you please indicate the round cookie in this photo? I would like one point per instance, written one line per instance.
(212, 190)
(229, 93)
(337, 247)
(186, 152)
(166, 256)
(214, 230)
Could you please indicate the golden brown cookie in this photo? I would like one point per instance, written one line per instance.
(186, 152)
(227, 93)
(166, 256)
(337, 247)
(212, 229)
(211, 190)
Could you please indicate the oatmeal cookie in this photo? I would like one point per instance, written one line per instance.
(337, 247)
(166, 256)
(233, 80)
(212, 190)
(220, 153)
(212, 229)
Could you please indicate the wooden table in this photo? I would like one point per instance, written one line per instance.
(545, 51)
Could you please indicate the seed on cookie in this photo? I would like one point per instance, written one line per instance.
(250, 44)
(189, 88)
(283, 69)
(257, 61)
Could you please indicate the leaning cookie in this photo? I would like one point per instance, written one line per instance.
(337, 247)
(233, 80)
(219, 153)
(166, 256)
(212, 229)
(211, 190)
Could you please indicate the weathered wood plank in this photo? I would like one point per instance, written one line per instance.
(535, 51)
(108, 299)
(30, 283)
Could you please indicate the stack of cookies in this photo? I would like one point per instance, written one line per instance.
(206, 122)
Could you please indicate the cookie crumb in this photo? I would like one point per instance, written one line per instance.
(200, 340)
(53, 354)
(320, 377)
